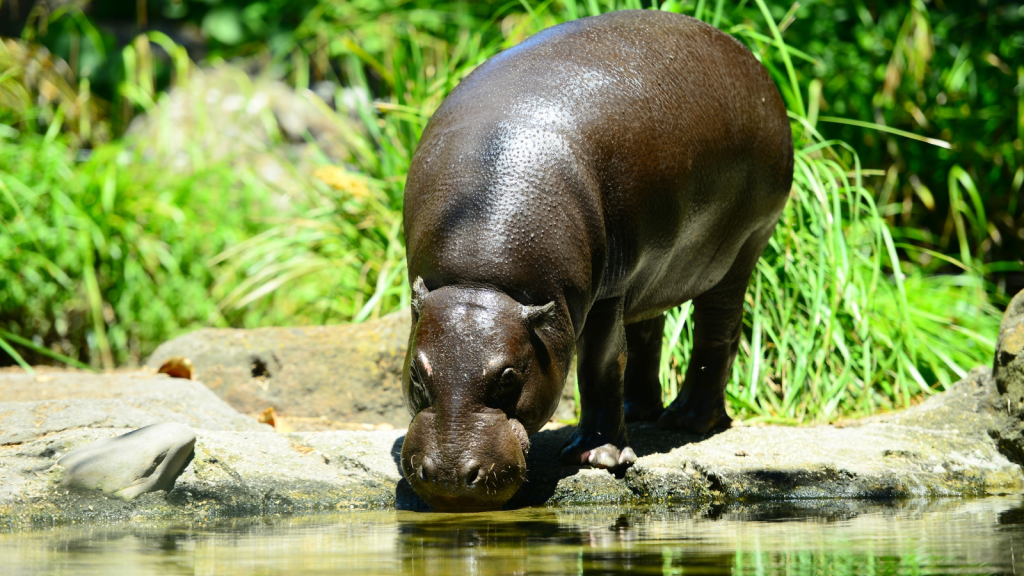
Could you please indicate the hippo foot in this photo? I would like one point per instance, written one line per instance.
(580, 450)
(694, 418)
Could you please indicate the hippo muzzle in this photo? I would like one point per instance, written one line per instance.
(476, 462)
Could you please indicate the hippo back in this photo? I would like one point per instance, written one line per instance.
(596, 158)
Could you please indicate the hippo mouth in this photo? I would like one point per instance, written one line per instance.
(478, 465)
(519, 431)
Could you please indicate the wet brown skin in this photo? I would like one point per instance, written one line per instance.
(563, 197)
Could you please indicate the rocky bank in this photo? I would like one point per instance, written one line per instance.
(963, 442)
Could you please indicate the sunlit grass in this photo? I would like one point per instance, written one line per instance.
(835, 323)
(103, 260)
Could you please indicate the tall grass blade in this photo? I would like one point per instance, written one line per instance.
(17, 357)
(889, 129)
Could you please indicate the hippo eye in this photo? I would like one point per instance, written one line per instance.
(509, 382)
(417, 390)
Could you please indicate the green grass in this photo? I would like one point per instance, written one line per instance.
(104, 259)
(835, 323)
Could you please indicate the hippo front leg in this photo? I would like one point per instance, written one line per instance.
(600, 438)
(642, 385)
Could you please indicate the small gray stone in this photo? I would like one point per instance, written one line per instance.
(144, 460)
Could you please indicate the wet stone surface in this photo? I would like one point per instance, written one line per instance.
(967, 441)
(942, 447)
(1008, 371)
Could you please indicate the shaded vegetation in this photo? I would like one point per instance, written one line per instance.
(107, 252)
(949, 70)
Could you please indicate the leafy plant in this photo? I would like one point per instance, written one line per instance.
(837, 323)
(844, 316)
(106, 259)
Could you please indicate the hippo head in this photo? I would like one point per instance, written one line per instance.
(482, 373)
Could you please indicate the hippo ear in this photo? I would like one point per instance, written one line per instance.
(419, 293)
(538, 317)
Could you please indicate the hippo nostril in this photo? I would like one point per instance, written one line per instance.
(472, 473)
(426, 470)
(481, 475)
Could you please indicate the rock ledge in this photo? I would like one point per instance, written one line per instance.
(942, 447)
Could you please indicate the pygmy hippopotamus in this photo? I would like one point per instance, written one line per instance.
(567, 193)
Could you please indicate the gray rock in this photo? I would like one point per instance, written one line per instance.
(144, 460)
(231, 474)
(267, 472)
(373, 452)
(33, 406)
(1008, 370)
(938, 448)
(343, 373)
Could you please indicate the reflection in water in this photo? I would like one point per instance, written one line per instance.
(824, 537)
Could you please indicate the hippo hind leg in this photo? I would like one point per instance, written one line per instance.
(700, 405)
(600, 438)
(642, 386)
(717, 325)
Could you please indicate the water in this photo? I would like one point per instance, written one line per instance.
(983, 536)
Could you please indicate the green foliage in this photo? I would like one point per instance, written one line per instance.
(110, 255)
(836, 324)
(950, 70)
(844, 315)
